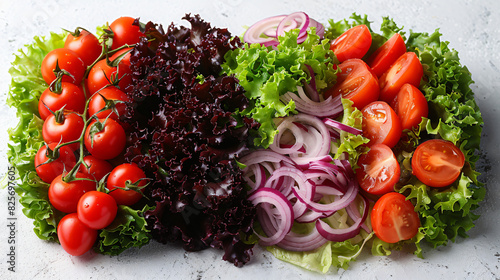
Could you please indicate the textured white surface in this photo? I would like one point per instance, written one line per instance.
(471, 26)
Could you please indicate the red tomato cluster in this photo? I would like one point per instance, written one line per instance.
(83, 134)
(385, 88)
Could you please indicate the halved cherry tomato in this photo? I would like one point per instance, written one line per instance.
(387, 54)
(67, 60)
(125, 32)
(71, 97)
(48, 171)
(394, 218)
(406, 69)
(96, 209)
(64, 196)
(122, 175)
(411, 106)
(69, 129)
(381, 124)
(353, 43)
(98, 168)
(105, 139)
(75, 237)
(97, 103)
(102, 74)
(355, 82)
(85, 44)
(379, 170)
(437, 163)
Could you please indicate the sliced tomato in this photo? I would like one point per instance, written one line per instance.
(407, 69)
(381, 124)
(355, 82)
(379, 170)
(387, 54)
(353, 43)
(394, 218)
(411, 106)
(437, 163)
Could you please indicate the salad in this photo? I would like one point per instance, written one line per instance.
(314, 141)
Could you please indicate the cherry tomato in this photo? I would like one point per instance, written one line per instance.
(107, 143)
(406, 69)
(387, 54)
(69, 129)
(71, 97)
(98, 168)
(437, 163)
(67, 60)
(354, 43)
(75, 237)
(85, 44)
(381, 124)
(97, 209)
(355, 82)
(48, 171)
(64, 196)
(379, 170)
(411, 106)
(125, 32)
(394, 218)
(97, 103)
(119, 177)
(101, 74)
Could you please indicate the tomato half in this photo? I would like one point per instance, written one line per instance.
(68, 130)
(437, 163)
(105, 139)
(97, 103)
(407, 69)
(96, 209)
(71, 97)
(48, 171)
(381, 124)
(64, 196)
(75, 237)
(394, 218)
(102, 74)
(379, 170)
(355, 82)
(411, 106)
(98, 168)
(67, 60)
(353, 43)
(125, 32)
(85, 44)
(387, 54)
(123, 175)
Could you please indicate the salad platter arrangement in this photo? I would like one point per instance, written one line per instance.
(315, 141)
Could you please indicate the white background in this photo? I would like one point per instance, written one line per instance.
(472, 27)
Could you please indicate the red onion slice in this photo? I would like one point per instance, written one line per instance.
(340, 126)
(331, 107)
(263, 156)
(298, 17)
(266, 26)
(302, 242)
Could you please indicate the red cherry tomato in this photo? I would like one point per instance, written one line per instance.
(69, 129)
(406, 69)
(75, 237)
(125, 32)
(85, 44)
(355, 82)
(381, 124)
(67, 60)
(387, 54)
(394, 218)
(98, 168)
(71, 97)
(379, 170)
(64, 196)
(437, 163)
(119, 177)
(354, 43)
(411, 106)
(48, 171)
(106, 143)
(101, 74)
(97, 103)
(97, 209)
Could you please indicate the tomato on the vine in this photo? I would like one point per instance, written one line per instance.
(64, 196)
(64, 161)
(75, 237)
(437, 163)
(407, 69)
(411, 106)
(71, 97)
(125, 32)
(96, 209)
(123, 176)
(394, 218)
(353, 43)
(85, 44)
(97, 168)
(105, 138)
(103, 74)
(63, 128)
(67, 60)
(379, 170)
(97, 103)
(387, 54)
(381, 124)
